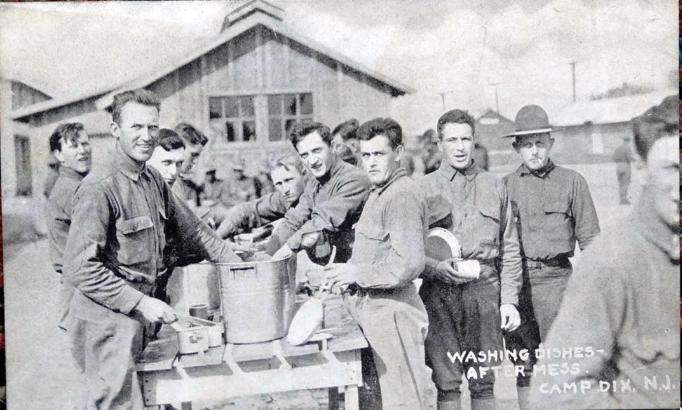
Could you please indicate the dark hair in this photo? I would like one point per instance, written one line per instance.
(347, 129)
(169, 139)
(191, 134)
(300, 130)
(665, 114)
(65, 132)
(455, 117)
(140, 96)
(287, 161)
(382, 126)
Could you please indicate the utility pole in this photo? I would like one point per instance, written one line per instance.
(497, 100)
(442, 99)
(573, 77)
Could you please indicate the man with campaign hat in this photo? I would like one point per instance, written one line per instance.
(623, 298)
(553, 209)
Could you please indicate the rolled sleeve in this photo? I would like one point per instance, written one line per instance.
(84, 265)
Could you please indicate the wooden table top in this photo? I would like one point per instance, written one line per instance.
(161, 354)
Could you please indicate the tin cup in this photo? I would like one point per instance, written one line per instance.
(200, 311)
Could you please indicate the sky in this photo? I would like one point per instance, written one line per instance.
(454, 53)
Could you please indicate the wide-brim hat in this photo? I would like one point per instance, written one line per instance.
(531, 119)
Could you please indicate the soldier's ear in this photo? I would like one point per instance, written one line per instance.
(551, 143)
(516, 146)
(399, 152)
(115, 129)
(58, 154)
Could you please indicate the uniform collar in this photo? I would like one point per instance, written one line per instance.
(654, 229)
(451, 172)
(336, 166)
(541, 173)
(397, 173)
(67, 172)
(128, 166)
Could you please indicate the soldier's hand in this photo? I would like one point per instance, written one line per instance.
(154, 310)
(510, 317)
(446, 271)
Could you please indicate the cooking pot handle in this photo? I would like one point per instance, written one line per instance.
(236, 270)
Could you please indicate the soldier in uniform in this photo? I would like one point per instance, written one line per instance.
(116, 248)
(331, 201)
(195, 141)
(289, 179)
(619, 318)
(388, 253)
(553, 210)
(467, 316)
(70, 145)
(623, 158)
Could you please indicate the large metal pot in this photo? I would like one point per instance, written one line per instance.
(257, 299)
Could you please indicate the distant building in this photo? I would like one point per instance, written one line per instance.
(243, 89)
(591, 130)
(490, 127)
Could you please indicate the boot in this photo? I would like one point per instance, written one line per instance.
(523, 394)
(448, 405)
(483, 404)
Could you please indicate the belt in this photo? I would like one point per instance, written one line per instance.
(561, 260)
(380, 292)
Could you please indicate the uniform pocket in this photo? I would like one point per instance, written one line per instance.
(557, 224)
(134, 238)
(490, 225)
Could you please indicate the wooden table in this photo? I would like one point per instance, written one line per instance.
(231, 371)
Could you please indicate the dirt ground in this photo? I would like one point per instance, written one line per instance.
(42, 376)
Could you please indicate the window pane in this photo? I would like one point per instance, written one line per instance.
(231, 107)
(275, 129)
(290, 104)
(215, 107)
(218, 127)
(275, 104)
(288, 124)
(306, 105)
(247, 106)
(249, 131)
(229, 127)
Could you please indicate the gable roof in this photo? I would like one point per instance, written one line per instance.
(254, 13)
(609, 110)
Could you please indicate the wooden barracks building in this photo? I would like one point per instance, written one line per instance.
(242, 89)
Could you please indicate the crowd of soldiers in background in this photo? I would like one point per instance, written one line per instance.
(237, 186)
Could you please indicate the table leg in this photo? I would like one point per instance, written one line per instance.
(333, 398)
(351, 400)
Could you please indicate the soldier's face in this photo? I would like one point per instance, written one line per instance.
(456, 144)
(75, 154)
(316, 155)
(379, 159)
(663, 169)
(137, 131)
(534, 149)
(289, 183)
(167, 162)
(192, 153)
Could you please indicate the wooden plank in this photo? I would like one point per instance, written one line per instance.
(218, 383)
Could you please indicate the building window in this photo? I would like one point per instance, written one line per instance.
(22, 155)
(284, 110)
(234, 118)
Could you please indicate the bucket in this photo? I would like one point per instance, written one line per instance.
(257, 299)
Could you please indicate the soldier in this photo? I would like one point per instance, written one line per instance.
(345, 141)
(116, 248)
(195, 141)
(619, 318)
(239, 188)
(289, 179)
(388, 254)
(553, 210)
(623, 157)
(331, 201)
(169, 155)
(467, 316)
(70, 145)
